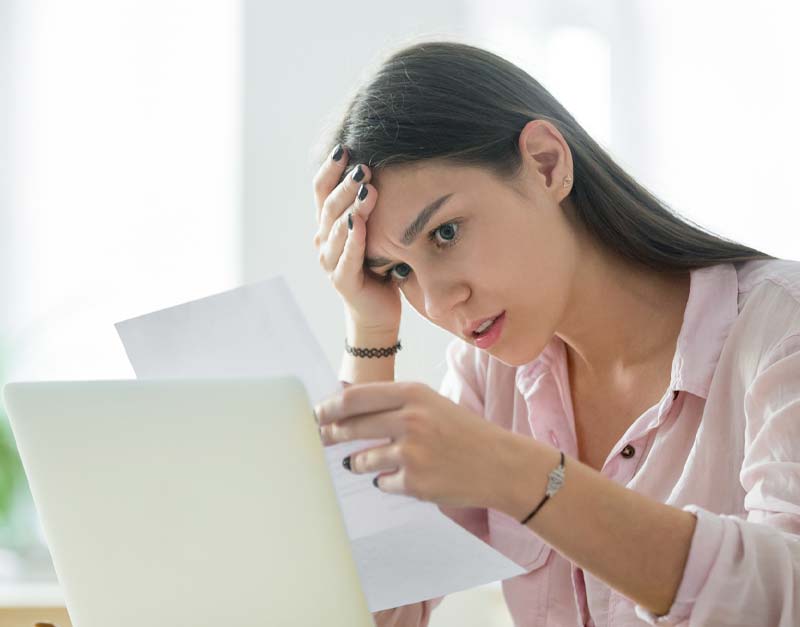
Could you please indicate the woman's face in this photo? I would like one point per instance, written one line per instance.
(489, 248)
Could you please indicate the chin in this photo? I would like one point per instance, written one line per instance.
(517, 355)
(510, 360)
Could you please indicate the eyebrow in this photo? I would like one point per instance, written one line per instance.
(413, 229)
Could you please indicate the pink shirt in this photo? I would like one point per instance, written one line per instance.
(723, 443)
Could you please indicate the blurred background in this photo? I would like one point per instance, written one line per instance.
(157, 151)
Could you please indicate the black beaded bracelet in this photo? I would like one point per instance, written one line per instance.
(554, 482)
(372, 352)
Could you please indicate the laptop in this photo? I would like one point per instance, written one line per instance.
(197, 502)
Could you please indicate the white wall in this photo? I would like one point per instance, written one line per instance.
(125, 152)
(703, 98)
(7, 250)
(724, 106)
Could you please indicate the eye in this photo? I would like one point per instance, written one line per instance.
(448, 232)
(402, 269)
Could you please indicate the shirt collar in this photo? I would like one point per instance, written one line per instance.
(711, 309)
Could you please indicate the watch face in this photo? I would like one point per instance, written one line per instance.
(555, 480)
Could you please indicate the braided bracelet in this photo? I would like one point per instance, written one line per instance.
(372, 352)
(554, 482)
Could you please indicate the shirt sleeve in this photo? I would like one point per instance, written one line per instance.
(463, 384)
(747, 571)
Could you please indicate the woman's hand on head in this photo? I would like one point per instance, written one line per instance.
(372, 304)
(437, 451)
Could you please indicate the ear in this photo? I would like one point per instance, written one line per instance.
(548, 157)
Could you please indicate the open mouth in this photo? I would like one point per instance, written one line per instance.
(484, 328)
(489, 332)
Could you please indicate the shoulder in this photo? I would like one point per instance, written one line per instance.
(769, 311)
(780, 277)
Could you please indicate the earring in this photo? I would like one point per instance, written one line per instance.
(567, 180)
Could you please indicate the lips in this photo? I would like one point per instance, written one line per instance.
(468, 332)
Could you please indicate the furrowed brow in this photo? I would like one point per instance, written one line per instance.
(412, 231)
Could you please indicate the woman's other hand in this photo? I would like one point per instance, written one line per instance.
(372, 305)
(439, 451)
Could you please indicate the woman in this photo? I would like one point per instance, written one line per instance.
(660, 362)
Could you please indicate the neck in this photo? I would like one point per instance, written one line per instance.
(621, 317)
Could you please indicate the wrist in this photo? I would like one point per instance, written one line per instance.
(363, 370)
(370, 337)
(523, 473)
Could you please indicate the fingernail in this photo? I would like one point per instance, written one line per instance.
(362, 192)
(346, 462)
(350, 220)
(337, 153)
(358, 174)
(375, 481)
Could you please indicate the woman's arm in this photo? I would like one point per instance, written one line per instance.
(635, 544)
(688, 563)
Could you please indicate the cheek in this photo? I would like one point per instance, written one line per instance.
(540, 274)
(549, 249)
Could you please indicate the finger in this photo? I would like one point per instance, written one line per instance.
(392, 482)
(364, 427)
(364, 398)
(366, 195)
(332, 249)
(376, 459)
(347, 275)
(340, 199)
(328, 176)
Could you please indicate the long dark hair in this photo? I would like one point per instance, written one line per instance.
(464, 105)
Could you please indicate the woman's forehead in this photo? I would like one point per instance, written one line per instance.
(405, 189)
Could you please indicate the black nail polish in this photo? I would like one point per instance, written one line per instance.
(337, 153)
(346, 462)
(358, 174)
(362, 192)
(350, 221)
(375, 481)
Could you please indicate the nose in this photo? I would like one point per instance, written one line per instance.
(441, 297)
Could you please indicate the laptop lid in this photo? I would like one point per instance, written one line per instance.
(187, 502)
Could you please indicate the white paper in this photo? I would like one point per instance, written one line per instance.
(253, 330)
(406, 550)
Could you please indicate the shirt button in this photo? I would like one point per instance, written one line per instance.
(628, 451)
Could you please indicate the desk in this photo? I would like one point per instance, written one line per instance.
(23, 604)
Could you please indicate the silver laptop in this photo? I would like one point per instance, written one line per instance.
(187, 502)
